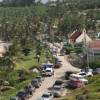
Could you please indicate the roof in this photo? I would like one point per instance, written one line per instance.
(95, 44)
(75, 35)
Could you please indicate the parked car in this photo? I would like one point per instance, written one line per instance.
(29, 89)
(57, 91)
(75, 84)
(32, 88)
(96, 71)
(67, 74)
(40, 79)
(35, 83)
(76, 77)
(58, 64)
(43, 72)
(85, 74)
(15, 98)
(47, 65)
(58, 83)
(47, 96)
(49, 72)
(23, 95)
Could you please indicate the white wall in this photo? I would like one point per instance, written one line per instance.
(81, 38)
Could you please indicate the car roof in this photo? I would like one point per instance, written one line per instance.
(46, 93)
(35, 79)
(48, 68)
(75, 75)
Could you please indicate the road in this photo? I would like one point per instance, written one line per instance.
(49, 81)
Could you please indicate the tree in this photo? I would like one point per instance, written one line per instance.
(18, 2)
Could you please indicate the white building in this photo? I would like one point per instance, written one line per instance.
(78, 37)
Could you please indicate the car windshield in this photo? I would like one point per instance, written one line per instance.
(47, 65)
(45, 96)
(56, 88)
(34, 81)
(80, 78)
(82, 74)
(38, 77)
(48, 70)
(58, 82)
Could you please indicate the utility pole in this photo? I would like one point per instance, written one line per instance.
(86, 48)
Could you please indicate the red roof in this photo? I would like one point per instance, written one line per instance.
(95, 44)
(75, 35)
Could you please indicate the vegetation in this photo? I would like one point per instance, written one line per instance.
(23, 22)
(95, 64)
(89, 92)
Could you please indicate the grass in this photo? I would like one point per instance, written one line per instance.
(12, 92)
(93, 89)
(29, 61)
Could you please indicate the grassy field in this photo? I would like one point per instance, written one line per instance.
(89, 92)
(29, 61)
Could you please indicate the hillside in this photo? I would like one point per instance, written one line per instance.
(89, 92)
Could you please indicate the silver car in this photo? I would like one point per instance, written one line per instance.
(57, 91)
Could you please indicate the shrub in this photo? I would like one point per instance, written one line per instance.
(95, 64)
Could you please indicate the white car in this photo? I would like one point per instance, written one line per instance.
(85, 74)
(47, 96)
(49, 71)
(76, 77)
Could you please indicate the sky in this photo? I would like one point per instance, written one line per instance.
(44, 1)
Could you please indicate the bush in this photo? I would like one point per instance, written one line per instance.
(78, 50)
(95, 64)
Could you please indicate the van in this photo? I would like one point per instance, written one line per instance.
(76, 77)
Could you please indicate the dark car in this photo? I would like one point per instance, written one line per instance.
(43, 73)
(67, 74)
(40, 78)
(29, 89)
(35, 83)
(23, 95)
(58, 64)
(96, 71)
(58, 83)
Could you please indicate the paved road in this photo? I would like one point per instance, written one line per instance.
(49, 81)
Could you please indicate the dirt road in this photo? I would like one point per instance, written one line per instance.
(49, 81)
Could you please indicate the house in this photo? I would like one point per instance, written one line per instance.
(93, 50)
(4, 47)
(78, 37)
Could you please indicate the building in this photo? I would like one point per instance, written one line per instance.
(93, 50)
(4, 47)
(79, 37)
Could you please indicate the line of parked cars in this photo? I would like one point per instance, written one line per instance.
(47, 69)
(55, 91)
(29, 89)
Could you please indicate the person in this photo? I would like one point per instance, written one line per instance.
(38, 58)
